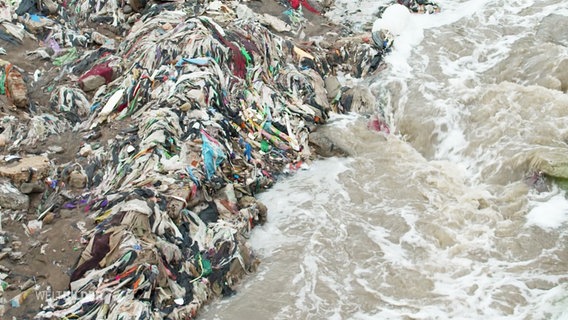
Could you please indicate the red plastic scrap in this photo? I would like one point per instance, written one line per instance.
(296, 4)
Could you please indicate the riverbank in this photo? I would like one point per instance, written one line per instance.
(154, 131)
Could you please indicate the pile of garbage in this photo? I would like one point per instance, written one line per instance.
(199, 107)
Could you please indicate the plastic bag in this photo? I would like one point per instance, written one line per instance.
(212, 152)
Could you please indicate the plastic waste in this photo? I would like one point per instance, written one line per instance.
(18, 300)
(66, 58)
(213, 154)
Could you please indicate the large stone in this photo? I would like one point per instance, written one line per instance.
(127, 9)
(91, 83)
(19, 171)
(274, 23)
(324, 146)
(11, 197)
(32, 187)
(99, 75)
(552, 162)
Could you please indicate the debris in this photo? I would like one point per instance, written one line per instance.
(32, 187)
(11, 197)
(332, 86)
(56, 149)
(33, 227)
(18, 300)
(26, 285)
(16, 87)
(99, 75)
(27, 169)
(11, 158)
(77, 180)
(275, 23)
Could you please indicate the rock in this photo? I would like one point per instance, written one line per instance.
(86, 150)
(32, 187)
(103, 40)
(99, 75)
(127, 9)
(19, 172)
(91, 83)
(324, 146)
(552, 162)
(48, 218)
(137, 5)
(262, 212)
(16, 86)
(11, 197)
(77, 180)
(274, 23)
(244, 12)
(185, 107)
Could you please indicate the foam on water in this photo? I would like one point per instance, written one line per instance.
(550, 214)
(287, 201)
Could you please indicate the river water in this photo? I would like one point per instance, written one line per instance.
(436, 220)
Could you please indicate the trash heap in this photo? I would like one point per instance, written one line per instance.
(184, 120)
(210, 115)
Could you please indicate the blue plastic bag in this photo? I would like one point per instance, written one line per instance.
(212, 152)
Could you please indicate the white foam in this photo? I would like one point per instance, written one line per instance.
(342, 121)
(395, 19)
(550, 214)
(285, 201)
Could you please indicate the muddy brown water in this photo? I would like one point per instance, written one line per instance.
(50, 255)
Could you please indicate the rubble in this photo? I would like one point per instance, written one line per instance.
(26, 169)
(11, 197)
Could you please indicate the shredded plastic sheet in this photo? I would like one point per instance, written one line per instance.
(213, 154)
(70, 101)
(29, 133)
